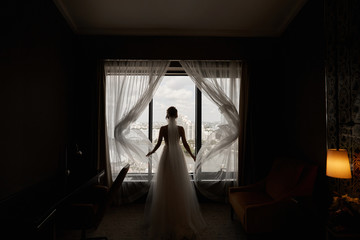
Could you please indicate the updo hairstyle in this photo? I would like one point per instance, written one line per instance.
(171, 112)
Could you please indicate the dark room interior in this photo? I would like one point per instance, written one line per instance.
(303, 96)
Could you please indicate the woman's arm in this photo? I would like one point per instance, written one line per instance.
(186, 145)
(161, 135)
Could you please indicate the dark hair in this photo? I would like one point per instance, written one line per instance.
(171, 112)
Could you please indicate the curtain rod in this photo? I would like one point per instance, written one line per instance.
(171, 60)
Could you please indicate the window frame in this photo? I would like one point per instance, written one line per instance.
(175, 69)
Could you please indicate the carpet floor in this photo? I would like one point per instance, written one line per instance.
(124, 222)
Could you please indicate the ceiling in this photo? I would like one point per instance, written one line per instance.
(230, 18)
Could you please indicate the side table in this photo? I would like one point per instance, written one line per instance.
(347, 234)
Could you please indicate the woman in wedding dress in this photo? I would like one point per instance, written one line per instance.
(172, 210)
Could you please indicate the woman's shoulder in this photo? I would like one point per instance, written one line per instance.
(165, 126)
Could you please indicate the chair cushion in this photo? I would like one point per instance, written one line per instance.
(283, 177)
(240, 200)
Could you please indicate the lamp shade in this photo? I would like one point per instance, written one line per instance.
(337, 163)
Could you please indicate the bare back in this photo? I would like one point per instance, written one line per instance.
(164, 133)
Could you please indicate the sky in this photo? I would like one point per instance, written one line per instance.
(179, 91)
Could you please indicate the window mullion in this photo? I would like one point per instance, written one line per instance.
(150, 131)
(198, 122)
(150, 120)
(198, 119)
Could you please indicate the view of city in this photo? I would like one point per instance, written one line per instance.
(189, 127)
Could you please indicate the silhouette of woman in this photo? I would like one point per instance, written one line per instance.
(172, 210)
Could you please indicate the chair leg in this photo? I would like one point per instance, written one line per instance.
(231, 213)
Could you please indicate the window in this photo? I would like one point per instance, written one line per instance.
(179, 91)
(198, 115)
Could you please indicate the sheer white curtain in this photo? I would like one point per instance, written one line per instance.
(130, 86)
(217, 161)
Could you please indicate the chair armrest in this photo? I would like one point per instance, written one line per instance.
(82, 208)
(95, 194)
(99, 191)
(258, 186)
(273, 206)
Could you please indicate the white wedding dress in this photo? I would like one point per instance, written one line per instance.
(172, 210)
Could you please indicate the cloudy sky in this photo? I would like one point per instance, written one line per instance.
(179, 91)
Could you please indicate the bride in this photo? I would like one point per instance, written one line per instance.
(172, 210)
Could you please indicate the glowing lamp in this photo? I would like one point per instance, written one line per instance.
(337, 163)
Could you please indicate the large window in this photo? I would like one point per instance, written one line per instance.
(179, 91)
(138, 93)
(200, 117)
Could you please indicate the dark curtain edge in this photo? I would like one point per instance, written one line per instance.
(102, 155)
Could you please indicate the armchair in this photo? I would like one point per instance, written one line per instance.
(267, 205)
(87, 211)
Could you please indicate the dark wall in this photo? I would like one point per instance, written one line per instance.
(303, 67)
(36, 55)
(177, 48)
(287, 80)
(49, 88)
(289, 109)
(289, 94)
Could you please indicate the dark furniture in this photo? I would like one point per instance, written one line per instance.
(343, 222)
(268, 205)
(86, 210)
(349, 234)
(31, 213)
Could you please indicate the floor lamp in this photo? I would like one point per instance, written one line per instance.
(338, 165)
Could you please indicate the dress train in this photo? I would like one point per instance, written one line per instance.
(172, 210)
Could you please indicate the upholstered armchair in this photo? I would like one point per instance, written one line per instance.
(86, 211)
(267, 205)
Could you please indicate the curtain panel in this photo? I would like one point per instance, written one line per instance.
(246, 145)
(217, 161)
(103, 161)
(130, 86)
